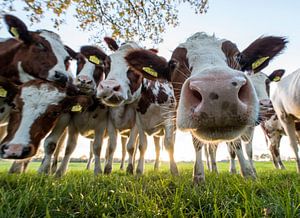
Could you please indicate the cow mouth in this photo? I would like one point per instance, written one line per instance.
(113, 101)
(218, 134)
(87, 89)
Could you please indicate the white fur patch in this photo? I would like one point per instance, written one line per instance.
(59, 51)
(36, 101)
(259, 83)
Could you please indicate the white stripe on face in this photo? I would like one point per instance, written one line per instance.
(88, 71)
(36, 101)
(59, 51)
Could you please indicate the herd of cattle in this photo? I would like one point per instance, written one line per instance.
(208, 88)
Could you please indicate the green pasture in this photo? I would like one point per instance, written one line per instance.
(156, 194)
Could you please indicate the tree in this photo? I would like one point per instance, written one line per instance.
(126, 19)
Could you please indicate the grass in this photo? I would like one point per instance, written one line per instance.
(156, 194)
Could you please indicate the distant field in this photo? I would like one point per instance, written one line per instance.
(156, 194)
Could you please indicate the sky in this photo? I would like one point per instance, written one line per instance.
(239, 21)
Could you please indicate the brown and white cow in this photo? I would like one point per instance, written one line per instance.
(37, 106)
(137, 105)
(30, 55)
(286, 102)
(91, 123)
(216, 100)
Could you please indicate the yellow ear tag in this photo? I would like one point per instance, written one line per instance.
(276, 78)
(259, 62)
(76, 108)
(3, 92)
(15, 32)
(94, 59)
(150, 71)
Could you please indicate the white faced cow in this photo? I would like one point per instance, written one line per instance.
(137, 105)
(217, 101)
(286, 102)
(261, 84)
(37, 106)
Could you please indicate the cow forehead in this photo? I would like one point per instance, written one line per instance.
(56, 44)
(204, 51)
(87, 69)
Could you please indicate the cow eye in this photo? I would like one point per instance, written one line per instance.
(40, 46)
(54, 113)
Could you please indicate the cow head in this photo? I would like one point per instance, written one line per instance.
(217, 101)
(38, 54)
(36, 108)
(122, 85)
(90, 68)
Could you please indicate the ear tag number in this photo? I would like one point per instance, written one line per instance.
(150, 71)
(15, 32)
(259, 62)
(3, 92)
(76, 108)
(94, 59)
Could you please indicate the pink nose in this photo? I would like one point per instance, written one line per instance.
(83, 79)
(220, 100)
(16, 151)
(108, 88)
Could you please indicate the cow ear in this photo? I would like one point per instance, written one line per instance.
(111, 43)
(259, 53)
(8, 90)
(276, 75)
(150, 65)
(71, 52)
(17, 28)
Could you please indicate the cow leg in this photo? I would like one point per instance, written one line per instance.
(212, 150)
(111, 147)
(71, 145)
(142, 148)
(274, 149)
(288, 125)
(198, 174)
(246, 168)
(232, 166)
(169, 141)
(247, 139)
(123, 142)
(206, 153)
(97, 147)
(16, 167)
(131, 149)
(51, 141)
(91, 155)
(156, 140)
(57, 151)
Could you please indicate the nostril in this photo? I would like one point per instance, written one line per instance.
(89, 82)
(57, 74)
(3, 148)
(117, 88)
(243, 93)
(197, 95)
(26, 151)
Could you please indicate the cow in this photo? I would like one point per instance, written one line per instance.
(32, 54)
(36, 107)
(286, 104)
(216, 100)
(27, 56)
(137, 105)
(261, 84)
(91, 123)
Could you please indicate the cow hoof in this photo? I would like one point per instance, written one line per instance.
(107, 169)
(97, 172)
(248, 173)
(233, 171)
(122, 167)
(156, 166)
(197, 180)
(59, 173)
(129, 169)
(174, 171)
